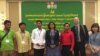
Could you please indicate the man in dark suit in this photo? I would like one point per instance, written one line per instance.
(81, 37)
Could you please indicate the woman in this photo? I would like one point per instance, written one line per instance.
(94, 40)
(52, 40)
(67, 41)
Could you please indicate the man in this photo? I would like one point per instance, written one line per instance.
(38, 39)
(67, 40)
(23, 40)
(7, 39)
(81, 37)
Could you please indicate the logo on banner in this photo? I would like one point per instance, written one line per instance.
(52, 5)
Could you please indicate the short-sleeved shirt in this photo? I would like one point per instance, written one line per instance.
(7, 43)
(23, 41)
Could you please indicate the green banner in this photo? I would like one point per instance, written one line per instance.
(59, 13)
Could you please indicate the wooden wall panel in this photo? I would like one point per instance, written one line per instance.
(14, 14)
(89, 14)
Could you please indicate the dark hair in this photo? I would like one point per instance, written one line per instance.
(22, 23)
(51, 23)
(39, 21)
(66, 23)
(7, 21)
(95, 25)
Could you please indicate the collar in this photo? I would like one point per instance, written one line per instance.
(77, 25)
(21, 32)
(39, 29)
(66, 31)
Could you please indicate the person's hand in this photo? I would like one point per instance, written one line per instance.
(93, 51)
(97, 50)
(52, 46)
(71, 49)
(38, 44)
(42, 45)
(86, 45)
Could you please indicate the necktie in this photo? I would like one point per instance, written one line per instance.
(77, 28)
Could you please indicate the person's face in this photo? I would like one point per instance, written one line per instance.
(94, 29)
(7, 26)
(52, 26)
(67, 27)
(76, 20)
(39, 24)
(23, 27)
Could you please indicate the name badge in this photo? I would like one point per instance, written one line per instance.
(7, 41)
(23, 42)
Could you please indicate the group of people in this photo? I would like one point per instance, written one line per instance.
(51, 42)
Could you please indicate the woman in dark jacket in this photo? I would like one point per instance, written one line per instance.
(52, 40)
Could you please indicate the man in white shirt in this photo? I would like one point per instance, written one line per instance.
(38, 39)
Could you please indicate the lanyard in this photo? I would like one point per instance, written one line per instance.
(39, 32)
(22, 35)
